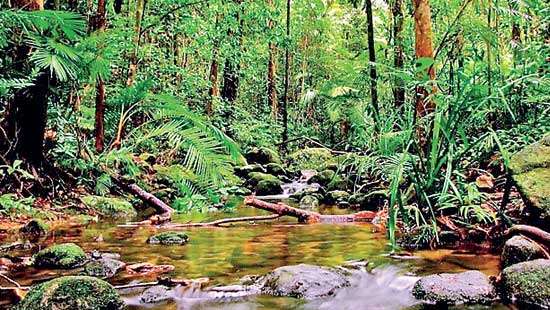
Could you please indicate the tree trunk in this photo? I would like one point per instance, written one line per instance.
(284, 107)
(214, 88)
(27, 115)
(117, 5)
(100, 22)
(132, 70)
(372, 60)
(398, 56)
(424, 50)
(272, 72)
(232, 65)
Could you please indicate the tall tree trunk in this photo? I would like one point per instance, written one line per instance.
(398, 55)
(284, 107)
(372, 60)
(27, 114)
(272, 72)
(99, 24)
(117, 5)
(140, 12)
(424, 50)
(232, 67)
(214, 88)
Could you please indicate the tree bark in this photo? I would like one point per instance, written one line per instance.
(398, 55)
(117, 6)
(372, 60)
(284, 107)
(232, 67)
(27, 114)
(272, 71)
(214, 88)
(423, 50)
(100, 23)
(132, 70)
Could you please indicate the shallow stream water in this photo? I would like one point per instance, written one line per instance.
(225, 254)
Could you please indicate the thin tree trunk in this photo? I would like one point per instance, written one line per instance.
(284, 107)
(424, 50)
(100, 22)
(117, 5)
(272, 72)
(232, 67)
(132, 70)
(398, 56)
(372, 60)
(214, 88)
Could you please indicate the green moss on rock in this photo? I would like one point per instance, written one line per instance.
(262, 155)
(531, 172)
(256, 177)
(62, 256)
(310, 159)
(269, 187)
(528, 284)
(323, 178)
(35, 227)
(72, 292)
(110, 207)
(169, 238)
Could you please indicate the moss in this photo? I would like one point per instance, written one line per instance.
(72, 292)
(169, 238)
(110, 207)
(528, 283)
(536, 155)
(324, 177)
(520, 249)
(256, 177)
(262, 155)
(269, 187)
(63, 256)
(310, 159)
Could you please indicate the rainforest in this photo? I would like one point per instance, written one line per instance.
(274, 154)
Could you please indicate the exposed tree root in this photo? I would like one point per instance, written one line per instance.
(308, 217)
(532, 232)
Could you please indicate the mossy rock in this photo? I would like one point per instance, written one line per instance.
(262, 155)
(336, 196)
(169, 238)
(520, 249)
(528, 284)
(103, 268)
(35, 228)
(243, 171)
(269, 187)
(61, 256)
(276, 169)
(256, 177)
(110, 207)
(309, 202)
(531, 173)
(323, 178)
(310, 159)
(72, 292)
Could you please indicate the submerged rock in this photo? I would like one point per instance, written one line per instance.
(62, 256)
(169, 238)
(470, 287)
(155, 294)
(303, 281)
(528, 284)
(73, 292)
(262, 155)
(520, 249)
(531, 172)
(104, 268)
(309, 202)
(110, 207)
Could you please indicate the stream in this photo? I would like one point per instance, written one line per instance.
(225, 254)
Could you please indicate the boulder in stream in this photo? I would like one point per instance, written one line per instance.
(262, 155)
(531, 172)
(323, 178)
(336, 196)
(520, 249)
(470, 287)
(309, 202)
(269, 187)
(155, 294)
(169, 238)
(61, 256)
(244, 171)
(528, 284)
(34, 228)
(104, 268)
(72, 292)
(303, 281)
(310, 158)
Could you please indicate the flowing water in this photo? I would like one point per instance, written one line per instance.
(225, 254)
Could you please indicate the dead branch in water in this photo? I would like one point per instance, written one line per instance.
(305, 216)
(227, 221)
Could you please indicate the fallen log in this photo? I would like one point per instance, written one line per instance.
(164, 211)
(305, 216)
